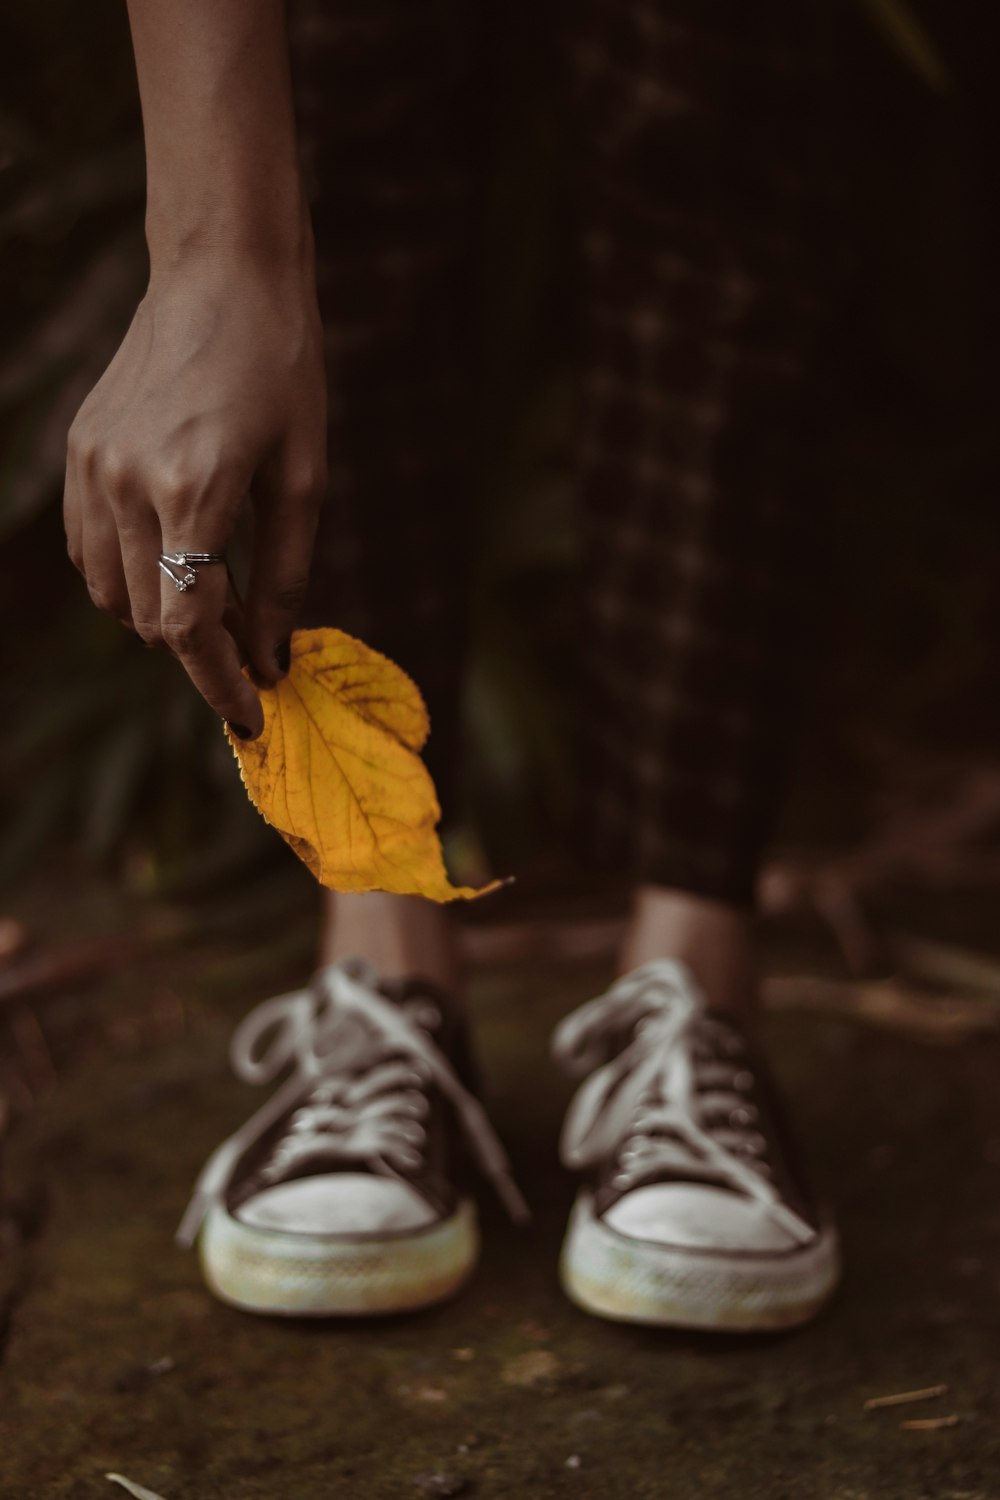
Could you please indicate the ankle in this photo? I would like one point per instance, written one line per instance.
(713, 939)
(398, 935)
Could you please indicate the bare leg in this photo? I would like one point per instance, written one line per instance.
(713, 938)
(399, 935)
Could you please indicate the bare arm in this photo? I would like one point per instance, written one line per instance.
(218, 388)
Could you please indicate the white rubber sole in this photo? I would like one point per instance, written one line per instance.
(634, 1281)
(323, 1276)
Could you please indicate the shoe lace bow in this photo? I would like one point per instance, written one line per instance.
(366, 1105)
(648, 1104)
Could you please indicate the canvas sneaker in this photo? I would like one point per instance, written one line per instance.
(692, 1212)
(347, 1193)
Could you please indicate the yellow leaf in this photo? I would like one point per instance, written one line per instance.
(337, 771)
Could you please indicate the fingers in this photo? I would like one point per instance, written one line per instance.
(191, 625)
(92, 535)
(72, 513)
(145, 503)
(286, 505)
(113, 533)
(232, 619)
(102, 565)
(140, 546)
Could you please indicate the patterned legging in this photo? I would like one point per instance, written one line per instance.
(697, 139)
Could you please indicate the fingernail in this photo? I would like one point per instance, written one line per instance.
(240, 730)
(283, 655)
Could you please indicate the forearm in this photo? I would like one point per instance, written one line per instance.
(222, 165)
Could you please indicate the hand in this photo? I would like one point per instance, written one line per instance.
(216, 393)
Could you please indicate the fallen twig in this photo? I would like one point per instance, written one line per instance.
(887, 1002)
(77, 963)
(941, 963)
(938, 834)
(927, 1393)
(138, 1490)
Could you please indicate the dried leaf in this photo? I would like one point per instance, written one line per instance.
(337, 770)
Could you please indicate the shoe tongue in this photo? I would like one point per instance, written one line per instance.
(354, 1042)
(351, 1042)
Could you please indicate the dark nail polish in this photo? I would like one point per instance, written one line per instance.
(283, 655)
(240, 730)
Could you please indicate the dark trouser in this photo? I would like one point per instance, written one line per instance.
(694, 142)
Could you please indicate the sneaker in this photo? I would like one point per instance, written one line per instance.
(346, 1193)
(693, 1213)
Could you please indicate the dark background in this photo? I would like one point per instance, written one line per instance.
(109, 759)
(144, 905)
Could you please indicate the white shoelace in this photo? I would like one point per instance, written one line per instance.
(643, 1105)
(373, 1115)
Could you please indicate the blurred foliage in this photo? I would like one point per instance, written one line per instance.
(905, 32)
(106, 746)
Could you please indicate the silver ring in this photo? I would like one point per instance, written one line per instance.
(179, 568)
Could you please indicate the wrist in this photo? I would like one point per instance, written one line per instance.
(272, 234)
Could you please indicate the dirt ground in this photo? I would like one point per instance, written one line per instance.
(115, 1359)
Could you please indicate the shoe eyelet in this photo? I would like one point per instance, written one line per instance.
(423, 1013)
(755, 1144)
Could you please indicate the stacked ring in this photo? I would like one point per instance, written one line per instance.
(179, 566)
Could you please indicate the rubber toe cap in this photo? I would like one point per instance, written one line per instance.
(354, 1203)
